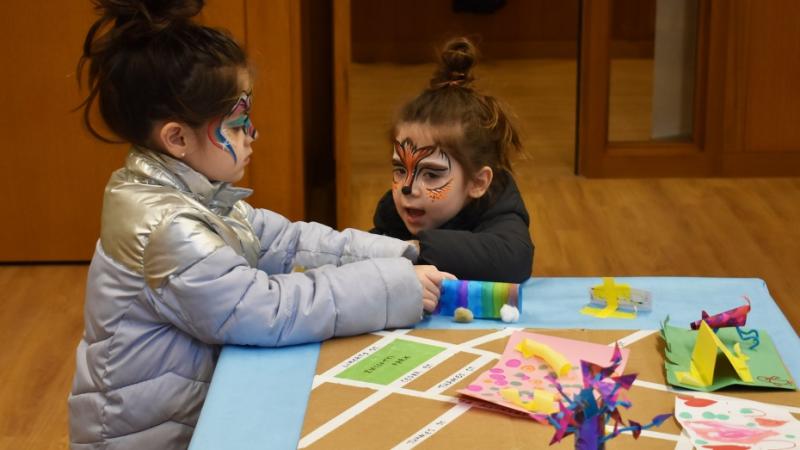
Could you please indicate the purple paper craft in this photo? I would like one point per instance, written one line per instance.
(586, 413)
(736, 317)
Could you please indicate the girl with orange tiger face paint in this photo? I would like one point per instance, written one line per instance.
(428, 186)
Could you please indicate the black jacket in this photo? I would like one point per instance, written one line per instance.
(487, 240)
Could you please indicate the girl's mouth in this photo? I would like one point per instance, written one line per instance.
(414, 213)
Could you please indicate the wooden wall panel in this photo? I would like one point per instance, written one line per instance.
(273, 44)
(762, 104)
(409, 31)
(771, 61)
(54, 171)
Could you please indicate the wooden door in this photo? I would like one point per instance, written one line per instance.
(745, 103)
(598, 155)
(55, 171)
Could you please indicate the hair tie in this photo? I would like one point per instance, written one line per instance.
(457, 79)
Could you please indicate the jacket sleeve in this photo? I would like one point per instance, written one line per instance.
(285, 244)
(499, 250)
(215, 296)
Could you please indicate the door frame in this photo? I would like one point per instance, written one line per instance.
(595, 155)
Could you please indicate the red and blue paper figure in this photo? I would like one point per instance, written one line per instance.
(736, 317)
(587, 413)
(484, 299)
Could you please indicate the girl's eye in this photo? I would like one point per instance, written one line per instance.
(430, 175)
(399, 170)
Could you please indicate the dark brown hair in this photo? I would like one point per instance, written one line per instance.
(480, 132)
(148, 61)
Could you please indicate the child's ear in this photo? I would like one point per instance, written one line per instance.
(480, 182)
(174, 137)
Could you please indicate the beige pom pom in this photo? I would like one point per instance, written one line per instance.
(462, 315)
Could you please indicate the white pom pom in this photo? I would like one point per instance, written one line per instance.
(509, 314)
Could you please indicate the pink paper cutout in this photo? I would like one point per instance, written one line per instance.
(525, 375)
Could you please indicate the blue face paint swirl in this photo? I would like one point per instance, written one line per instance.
(222, 142)
(215, 128)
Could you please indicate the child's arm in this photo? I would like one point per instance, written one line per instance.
(497, 250)
(202, 286)
(285, 244)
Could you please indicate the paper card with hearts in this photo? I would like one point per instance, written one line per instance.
(518, 381)
(715, 423)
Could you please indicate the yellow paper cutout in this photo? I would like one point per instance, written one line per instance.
(704, 359)
(554, 359)
(611, 293)
(542, 401)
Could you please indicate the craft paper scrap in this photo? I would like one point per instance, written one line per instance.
(555, 360)
(611, 295)
(597, 407)
(391, 362)
(748, 424)
(629, 299)
(704, 359)
(691, 360)
(736, 317)
(543, 402)
(527, 375)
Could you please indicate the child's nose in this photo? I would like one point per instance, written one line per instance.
(410, 189)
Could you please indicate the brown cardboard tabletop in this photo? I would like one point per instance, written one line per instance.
(422, 410)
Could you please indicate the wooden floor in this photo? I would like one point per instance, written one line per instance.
(41, 321)
(581, 227)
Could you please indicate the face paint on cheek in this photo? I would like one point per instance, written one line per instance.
(217, 137)
(241, 110)
(441, 192)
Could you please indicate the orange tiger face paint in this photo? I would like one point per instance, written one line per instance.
(428, 187)
(407, 167)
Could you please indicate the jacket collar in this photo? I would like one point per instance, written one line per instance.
(159, 168)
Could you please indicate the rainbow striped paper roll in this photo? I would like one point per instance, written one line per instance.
(483, 298)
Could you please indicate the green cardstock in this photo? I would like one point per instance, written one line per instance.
(391, 362)
(764, 362)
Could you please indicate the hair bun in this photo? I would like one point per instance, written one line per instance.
(457, 59)
(158, 13)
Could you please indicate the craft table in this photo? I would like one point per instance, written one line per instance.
(244, 411)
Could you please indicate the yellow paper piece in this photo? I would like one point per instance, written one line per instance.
(611, 293)
(704, 359)
(542, 401)
(607, 313)
(554, 359)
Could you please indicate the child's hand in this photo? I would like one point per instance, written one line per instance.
(431, 279)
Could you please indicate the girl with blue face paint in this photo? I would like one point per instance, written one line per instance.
(183, 264)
